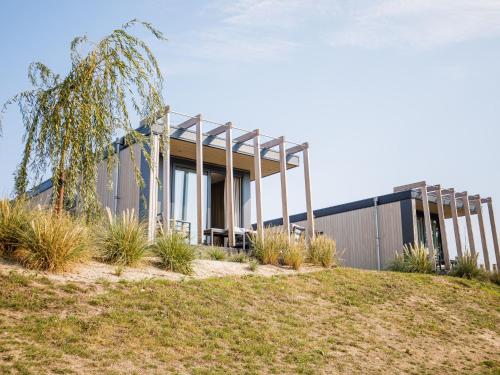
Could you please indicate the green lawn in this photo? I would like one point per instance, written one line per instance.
(339, 320)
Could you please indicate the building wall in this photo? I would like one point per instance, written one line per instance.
(42, 199)
(104, 188)
(355, 234)
(128, 188)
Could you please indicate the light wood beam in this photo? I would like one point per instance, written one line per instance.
(482, 233)
(416, 185)
(427, 222)
(494, 232)
(454, 216)
(246, 137)
(218, 130)
(166, 171)
(229, 185)
(153, 184)
(284, 194)
(468, 221)
(295, 149)
(199, 179)
(272, 143)
(193, 121)
(258, 184)
(307, 180)
(442, 227)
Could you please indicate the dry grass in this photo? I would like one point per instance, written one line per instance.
(122, 240)
(413, 258)
(174, 252)
(323, 251)
(333, 321)
(293, 255)
(268, 249)
(14, 218)
(52, 243)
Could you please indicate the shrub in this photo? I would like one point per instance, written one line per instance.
(414, 259)
(495, 277)
(293, 255)
(123, 240)
(323, 251)
(216, 253)
(175, 253)
(466, 266)
(52, 242)
(239, 258)
(14, 219)
(252, 265)
(268, 249)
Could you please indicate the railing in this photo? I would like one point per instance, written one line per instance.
(176, 225)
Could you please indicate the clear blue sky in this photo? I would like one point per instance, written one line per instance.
(387, 92)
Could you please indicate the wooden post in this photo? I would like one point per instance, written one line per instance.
(427, 221)
(284, 194)
(494, 232)
(229, 184)
(454, 216)
(307, 180)
(199, 179)
(442, 227)
(153, 184)
(258, 184)
(166, 171)
(470, 233)
(482, 233)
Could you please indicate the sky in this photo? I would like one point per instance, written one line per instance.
(387, 92)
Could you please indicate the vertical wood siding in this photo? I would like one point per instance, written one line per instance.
(355, 234)
(104, 186)
(128, 189)
(43, 199)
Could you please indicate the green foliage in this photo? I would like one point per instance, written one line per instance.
(15, 218)
(466, 266)
(268, 249)
(238, 258)
(414, 259)
(70, 122)
(216, 253)
(52, 242)
(323, 251)
(175, 253)
(122, 240)
(293, 255)
(252, 265)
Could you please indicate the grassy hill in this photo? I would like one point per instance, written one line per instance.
(339, 320)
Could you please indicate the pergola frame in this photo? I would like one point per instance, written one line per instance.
(231, 145)
(466, 199)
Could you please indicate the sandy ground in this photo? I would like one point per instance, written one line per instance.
(92, 271)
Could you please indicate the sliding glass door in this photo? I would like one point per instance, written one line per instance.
(184, 207)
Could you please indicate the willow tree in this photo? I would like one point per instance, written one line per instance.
(70, 122)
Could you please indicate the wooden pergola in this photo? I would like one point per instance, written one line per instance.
(450, 198)
(218, 130)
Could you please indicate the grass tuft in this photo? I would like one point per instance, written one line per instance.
(216, 253)
(14, 219)
(323, 251)
(268, 249)
(52, 242)
(293, 254)
(414, 259)
(466, 266)
(124, 240)
(175, 253)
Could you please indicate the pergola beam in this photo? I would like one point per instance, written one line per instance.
(229, 184)
(199, 179)
(166, 172)
(482, 232)
(216, 131)
(310, 233)
(416, 185)
(494, 232)
(272, 143)
(247, 136)
(258, 183)
(284, 194)
(153, 182)
(454, 215)
(189, 123)
(442, 224)
(296, 149)
(468, 220)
